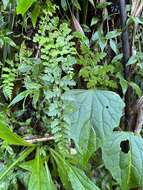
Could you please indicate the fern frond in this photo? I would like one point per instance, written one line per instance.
(94, 71)
(8, 78)
(57, 58)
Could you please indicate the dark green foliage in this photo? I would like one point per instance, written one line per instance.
(53, 135)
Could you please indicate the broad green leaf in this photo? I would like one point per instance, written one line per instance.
(35, 13)
(77, 177)
(21, 157)
(79, 180)
(102, 109)
(7, 135)
(123, 157)
(40, 178)
(23, 6)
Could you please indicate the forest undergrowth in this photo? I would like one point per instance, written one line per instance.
(71, 105)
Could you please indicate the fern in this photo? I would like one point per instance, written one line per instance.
(8, 78)
(57, 55)
(94, 71)
(50, 74)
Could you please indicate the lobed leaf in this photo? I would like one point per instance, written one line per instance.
(123, 157)
(102, 109)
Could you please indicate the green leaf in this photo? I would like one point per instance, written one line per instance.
(35, 13)
(103, 5)
(87, 144)
(133, 60)
(19, 97)
(9, 41)
(123, 157)
(102, 109)
(77, 177)
(123, 83)
(94, 21)
(64, 4)
(92, 3)
(40, 178)
(27, 165)
(7, 135)
(79, 180)
(134, 20)
(98, 36)
(76, 4)
(113, 46)
(50, 183)
(113, 34)
(62, 169)
(4, 185)
(136, 88)
(1, 42)
(22, 156)
(5, 3)
(23, 6)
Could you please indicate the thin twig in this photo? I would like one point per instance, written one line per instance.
(41, 139)
(34, 139)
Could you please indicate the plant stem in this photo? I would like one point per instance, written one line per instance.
(85, 9)
(126, 56)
